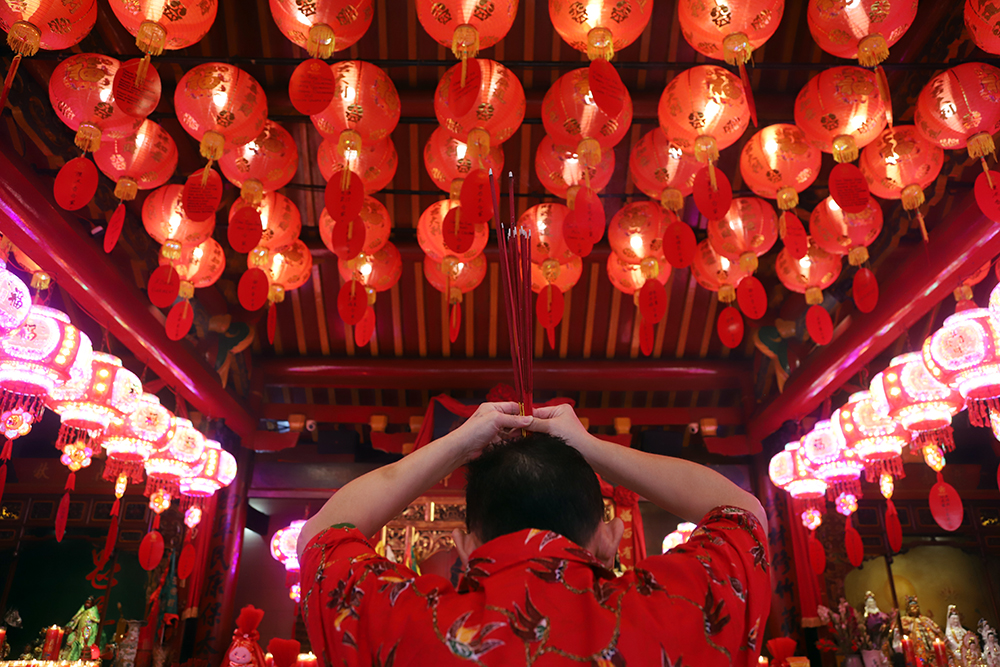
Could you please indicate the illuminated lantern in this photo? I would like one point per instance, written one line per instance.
(599, 27)
(636, 231)
(704, 110)
(841, 111)
(841, 233)
(908, 393)
(45, 24)
(40, 280)
(877, 439)
(572, 118)
(629, 278)
(810, 275)
(835, 464)
(716, 273)
(792, 472)
(731, 30)
(15, 300)
(221, 106)
(453, 278)
(980, 21)
(494, 115)
(779, 163)
(199, 266)
(284, 549)
(81, 95)
(288, 267)
(561, 276)
(747, 231)
(161, 24)
(377, 226)
(165, 468)
(164, 220)
(378, 272)
(448, 161)
(142, 161)
(132, 439)
(375, 163)
(960, 108)
(679, 536)
(430, 235)
(661, 169)
(324, 26)
(900, 164)
(279, 218)
(466, 26)
(545, 223)
(964, 354)
(562, 173)
(864, 30)
(218, 470)
(364, 109)
(262, 165)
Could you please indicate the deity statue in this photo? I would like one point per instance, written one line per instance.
(991, 649)
(922, 631)
(871, 607)
(81, 632)
(971, 655)
(954, 632)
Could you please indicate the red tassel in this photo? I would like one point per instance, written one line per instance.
(62, 515)
(455, 321)
(3, 478)
(114, 508)
(8, 448)
(156, 522)
(109, 544)
(70, 482)
(9, 79)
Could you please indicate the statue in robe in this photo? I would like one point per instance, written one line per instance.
(991, 649)
(81, 632)
(954, 632)
(922, 631)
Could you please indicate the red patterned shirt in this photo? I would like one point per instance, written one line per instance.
(536, 598)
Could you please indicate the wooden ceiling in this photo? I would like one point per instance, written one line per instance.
(599, 323)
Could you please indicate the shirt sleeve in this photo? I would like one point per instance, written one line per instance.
(718, 582)
(342, 577)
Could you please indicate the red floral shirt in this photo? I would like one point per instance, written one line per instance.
(536, 598)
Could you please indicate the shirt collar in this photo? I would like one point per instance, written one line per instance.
(530, 545)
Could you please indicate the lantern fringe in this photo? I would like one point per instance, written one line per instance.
(980, 408)
(736, 48)
(672, 199)
(912, 197)
(114, 467)
(875, 469)
(872, 50)
(749, 262)
(465, 45)
(88, 138)
(211, 147)
(942, 437)
(252, 191)
(322, 41)
(187, 502)
(980, 145)
(845, 149)
(68, 435)
(600, 44)
(835, 488)
(857, 255)
(349, 141)
(814, 296)
(788, 198)
(126, 188)
(154, 484)
(24, 38)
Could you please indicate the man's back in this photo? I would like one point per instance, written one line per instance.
(536, 598)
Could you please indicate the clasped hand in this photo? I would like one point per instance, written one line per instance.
(494, 422)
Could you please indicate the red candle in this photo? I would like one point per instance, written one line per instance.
(762, 661)
(908, 651)
(307, 660)
(53, 643)
(940, 653)
(3, 638)
(268, 660)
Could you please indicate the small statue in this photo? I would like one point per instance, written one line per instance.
(871, 607)
(954, 632)
(971, 655)
(922, 631)
(991, 649)
(81, 632)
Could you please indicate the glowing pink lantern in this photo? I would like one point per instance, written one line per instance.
(562, 172)
(323, 27)
(661, 169)
(841, 111)
(779, 163)
(837, 465)
(729, 30)
(792, 472)
(218, 470)
(877, 439)
(284, 549)
(864, 29)
(130, 441)
(448, 161)
(811, 274)
(263, 165)
(375, 163)
(80, 90)
(841, 233)
(747, 231)
(142, 161)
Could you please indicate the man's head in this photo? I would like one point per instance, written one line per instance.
(537, 481)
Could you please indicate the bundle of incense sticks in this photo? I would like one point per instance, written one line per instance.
(515, 268)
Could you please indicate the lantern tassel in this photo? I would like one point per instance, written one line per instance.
(711, 176)
(141, 70)
(9, 79)
(455, 321)
(875, 469)
(3, 478)
(109, 542)
(942, 437)
(205, 173)
(986, 170)
(923, 227)
(465, 45)
(62, 515)
(8, 449)
(748, 91)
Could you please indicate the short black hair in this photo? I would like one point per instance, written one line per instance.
(534, 481)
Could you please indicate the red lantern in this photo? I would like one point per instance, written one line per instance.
(158, 25)
(980, 21)
(166, 468)
(378, 272)
(572, 118)
(716, 273)
(288, 267)
(376, 221)
(80, 92)
(164, 220)
(454, 278)
(835, 464)
(629, 278)
(323, 27)
(960, 108)
(810, 275)
(779, 163)
(375, 163)
(704, 109)
(89, 404)
(965, 355)
(448, 161)
(877, 439)
(864, 30)
(907, 392)
(545, 223)
(221, 106)
(218, 471)
(900, 164)
(729, 31)
(636, 231)
(599, 27)
(130, 441)
(280, 220)
(466, 26)
(561, 171)
(142, 161)
(199, 266)
(841, 233)
(662, 170)
(747, 231)
(841, 111)
(792, 472)
(430, 233)
(495, 113)
(262, 165)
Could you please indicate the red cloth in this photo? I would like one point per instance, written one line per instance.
(534, 597)
(809, 584)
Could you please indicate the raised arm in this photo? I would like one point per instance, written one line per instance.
(370, 501)
(686, 489)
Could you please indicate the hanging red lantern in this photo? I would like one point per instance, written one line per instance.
(545, 224)
(747, 231)
(980, 21)
(142, 161)
(877, 439)
(80, 92)
(430, 232)
(729, 31)
(466, 26)
(158, 25)
(454, 278)
(779, 163)
(164, 220)
(378, 272)
(324, 26)
(716, 273)
(88, 404)
(220, 106)
(812, 274)
(599, 28)
(629, 278)
(704, 110)
(837, 465)
(288, 267)
(572, 118)
(899, 165)
(375, 163)
(280, 220)
(199, 266)
(793, 473)
(636, 231)
(44, 24)
(841, 233)
(562, 173)
(448, 161)
(376, 223)
(550, 280)
(662, 170)
(130, 441)
(864, 30)
(483, 116)
(217, 471)
(841, 111)
(263, 165)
